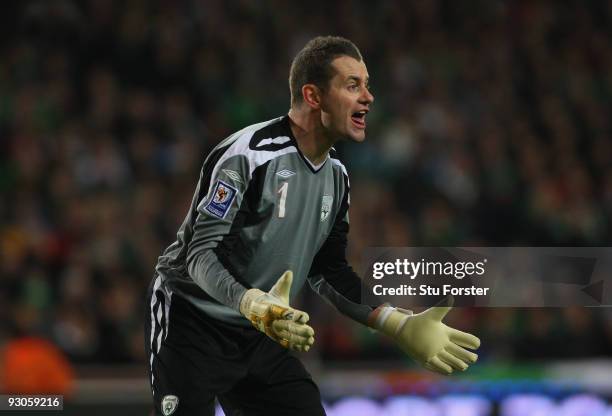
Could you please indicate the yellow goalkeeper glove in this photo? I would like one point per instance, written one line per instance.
(426, 339)
(271, 314)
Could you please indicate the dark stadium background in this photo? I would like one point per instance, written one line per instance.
(491, 127)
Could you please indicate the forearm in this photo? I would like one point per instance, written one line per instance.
(208, 272)
(343, 291)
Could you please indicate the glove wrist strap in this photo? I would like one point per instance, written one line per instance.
(246, 303)
(383, 316)
(389, 320)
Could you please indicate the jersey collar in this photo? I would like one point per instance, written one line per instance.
(314, 169)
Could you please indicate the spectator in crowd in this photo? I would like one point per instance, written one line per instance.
(497, 120)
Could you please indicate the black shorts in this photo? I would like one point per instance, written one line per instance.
(194, 358)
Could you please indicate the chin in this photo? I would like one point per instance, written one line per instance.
(357, 137)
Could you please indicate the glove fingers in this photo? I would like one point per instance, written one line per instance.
(302, 330)
(300, 317)
(291, 331)
(464, 339)
(299, 348)
(435, 364)
(282, 287)
(295, 342)
(294, 315)
(438, 312)
(462, 354)
(453, 361)
(294, 338)
(446, 301)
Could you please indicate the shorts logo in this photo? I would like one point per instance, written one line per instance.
(326, 205)
(222, 198)
(169, 404)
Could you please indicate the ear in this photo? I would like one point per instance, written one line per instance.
(312, 96)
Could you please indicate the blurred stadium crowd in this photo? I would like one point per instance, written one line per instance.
(491, 126)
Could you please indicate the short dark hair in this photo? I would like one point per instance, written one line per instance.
(312, 65)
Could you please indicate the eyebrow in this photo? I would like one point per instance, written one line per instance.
(357, 78)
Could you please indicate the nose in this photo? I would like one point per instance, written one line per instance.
(367, 97)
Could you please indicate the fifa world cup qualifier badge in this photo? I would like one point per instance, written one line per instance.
(169, 404)
(221, 199)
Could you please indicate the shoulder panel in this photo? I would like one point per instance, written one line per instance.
(258, 144)
(338, 163)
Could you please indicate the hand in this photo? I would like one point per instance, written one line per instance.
(426, 339)
(271, 314)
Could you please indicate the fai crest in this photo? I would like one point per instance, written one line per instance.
(326, 205)
(169, 404)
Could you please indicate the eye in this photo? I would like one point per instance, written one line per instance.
(353, 87)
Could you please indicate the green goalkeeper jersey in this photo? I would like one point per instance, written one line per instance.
(261, 208)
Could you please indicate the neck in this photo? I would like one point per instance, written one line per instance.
(310, 134)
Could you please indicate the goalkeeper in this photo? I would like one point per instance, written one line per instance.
(269, 213)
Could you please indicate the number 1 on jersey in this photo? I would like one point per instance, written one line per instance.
(283, 199)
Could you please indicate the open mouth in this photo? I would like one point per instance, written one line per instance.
(358, 118)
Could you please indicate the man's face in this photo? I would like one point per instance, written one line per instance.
(347, 100)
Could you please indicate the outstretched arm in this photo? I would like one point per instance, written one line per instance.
(422, 336)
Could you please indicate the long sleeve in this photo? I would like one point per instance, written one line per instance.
(332, 277)
(217, 220)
